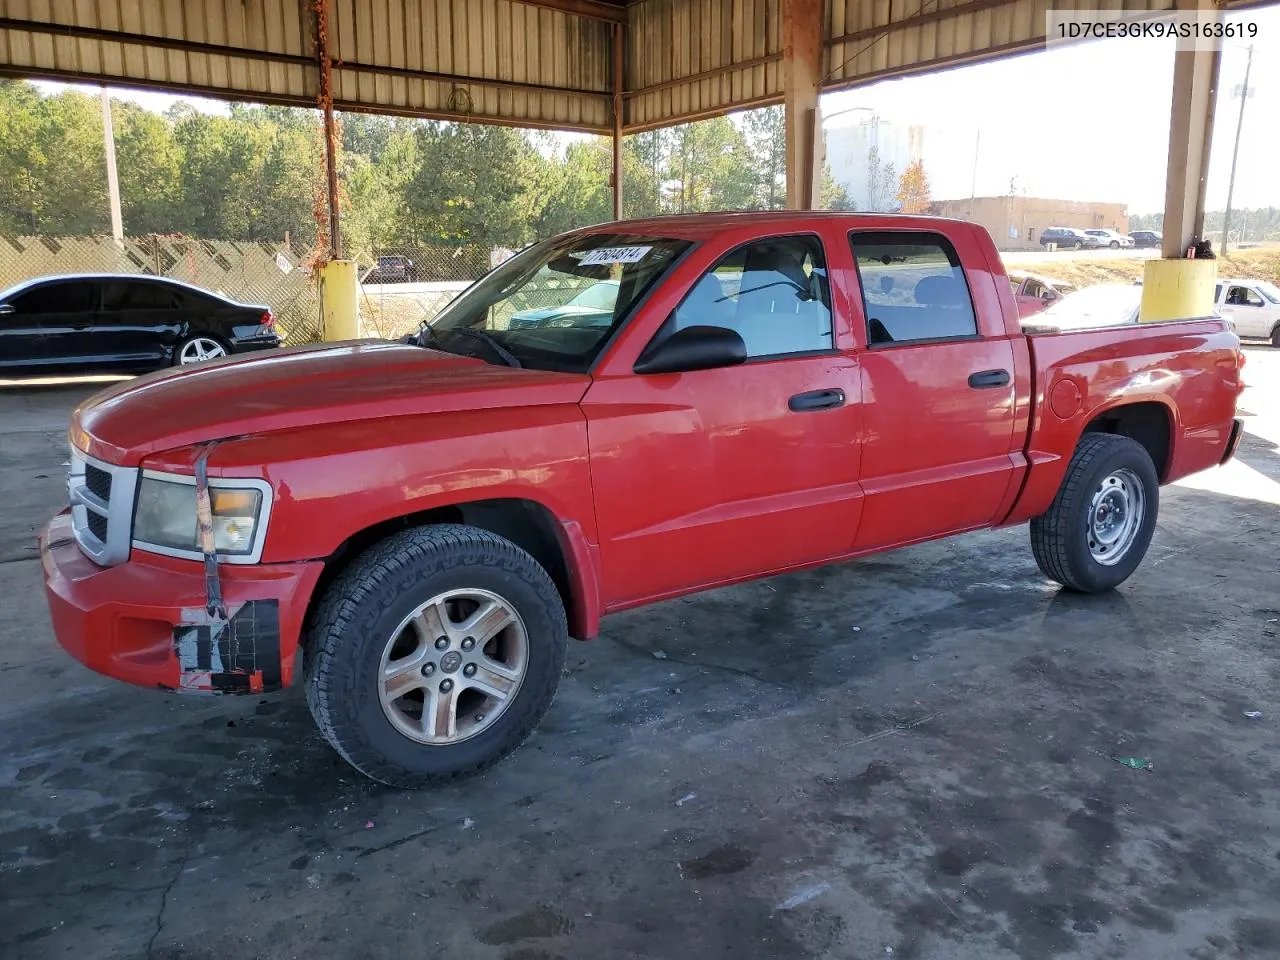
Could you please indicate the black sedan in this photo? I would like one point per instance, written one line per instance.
(124, 322)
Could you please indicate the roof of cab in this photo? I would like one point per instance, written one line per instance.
(698, 226)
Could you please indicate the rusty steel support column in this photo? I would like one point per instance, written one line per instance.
(321, 8)
(615, 178)
(1195, 88)
(801, 73)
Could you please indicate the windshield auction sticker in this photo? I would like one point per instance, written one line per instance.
(614, 255)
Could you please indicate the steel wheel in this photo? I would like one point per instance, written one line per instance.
(1115, 516)
(198, 349)
(453, 666)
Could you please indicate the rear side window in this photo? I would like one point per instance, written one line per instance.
(138, 296)
(913, 288)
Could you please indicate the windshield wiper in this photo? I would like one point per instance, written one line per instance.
(509, 358)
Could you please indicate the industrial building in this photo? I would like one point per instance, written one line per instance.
(1017, 222)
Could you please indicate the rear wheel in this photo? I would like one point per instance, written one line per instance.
(1100, 524)
(1275, 336)
(434, 655)
(197, 350)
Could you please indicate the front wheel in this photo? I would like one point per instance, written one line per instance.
(434, 655)
(1275, 337)
(1115, 244)
(1100, 524)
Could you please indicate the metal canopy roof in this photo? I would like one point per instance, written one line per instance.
(545, 63)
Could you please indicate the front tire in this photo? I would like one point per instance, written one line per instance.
(1100, 524)
(1275, 336)
(434, 655)
(1115, 244)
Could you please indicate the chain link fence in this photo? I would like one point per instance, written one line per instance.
(400, 288)
(252, 272)
(403, 287)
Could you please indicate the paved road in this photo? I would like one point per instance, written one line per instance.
(906, 754)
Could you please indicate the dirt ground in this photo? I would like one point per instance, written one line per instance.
(908, 757)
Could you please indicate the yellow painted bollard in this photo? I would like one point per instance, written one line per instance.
(1177, 290)
(339, 301)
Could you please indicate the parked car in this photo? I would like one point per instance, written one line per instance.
(592, 307)
(1066, 238)
(428, 520)
(1146, 239)
(1109, 238)
(124, 322)
(1033, 293)
(1253, 306)
(1102, 305)
(392, 269)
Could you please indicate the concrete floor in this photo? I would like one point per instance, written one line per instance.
(906, 757)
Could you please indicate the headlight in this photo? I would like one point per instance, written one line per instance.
(165, 519)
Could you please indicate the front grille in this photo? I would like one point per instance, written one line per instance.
(97, 524)
(101, 497)
(98, 482)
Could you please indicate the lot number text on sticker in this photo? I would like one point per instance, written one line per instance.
(615, 255)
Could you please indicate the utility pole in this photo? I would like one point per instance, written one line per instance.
(1235, 153)
(113, 180)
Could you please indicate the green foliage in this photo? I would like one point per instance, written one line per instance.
(258, 173)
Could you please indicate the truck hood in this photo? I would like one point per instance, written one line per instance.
(301, 387)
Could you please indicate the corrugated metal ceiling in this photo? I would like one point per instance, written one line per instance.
(524, 62)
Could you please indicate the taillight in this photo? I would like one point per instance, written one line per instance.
(268, 322)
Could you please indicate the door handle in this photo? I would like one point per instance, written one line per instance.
(989, 378)
(816, 400)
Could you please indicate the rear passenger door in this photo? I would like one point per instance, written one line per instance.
(938, 391)
(137, 319)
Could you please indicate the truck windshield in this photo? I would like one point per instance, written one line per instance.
(1268, 290)
(554, 305)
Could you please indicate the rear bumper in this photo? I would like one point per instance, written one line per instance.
(249, 344)
(144, 621)
(1233, 440)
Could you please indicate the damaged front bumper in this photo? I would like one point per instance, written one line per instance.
(145, 621)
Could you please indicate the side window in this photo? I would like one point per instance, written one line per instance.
(55, 298)
(1034, 289)
(137, 296)
(1243, 297)
(773, 293)
(913, 288)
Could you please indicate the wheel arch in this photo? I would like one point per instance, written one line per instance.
(1149, 423)
(561, 548)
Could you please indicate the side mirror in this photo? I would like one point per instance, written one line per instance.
(6, 309)
(693, 348)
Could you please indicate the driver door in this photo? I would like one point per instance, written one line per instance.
(708, 476)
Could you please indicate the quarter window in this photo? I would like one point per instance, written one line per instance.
(913, 288)
(773, 293)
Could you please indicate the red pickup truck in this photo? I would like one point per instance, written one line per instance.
(613, 417)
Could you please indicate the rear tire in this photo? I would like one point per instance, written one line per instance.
(394, 678)
(1100, 524)
(1275, 337)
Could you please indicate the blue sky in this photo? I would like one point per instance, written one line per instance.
(1083, 122)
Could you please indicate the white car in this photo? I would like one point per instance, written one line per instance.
(1253, 306)
(1103, 305)
(1110, 238)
